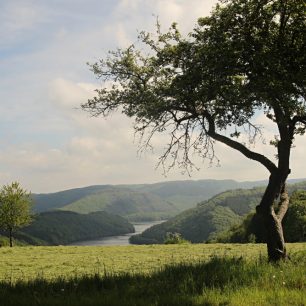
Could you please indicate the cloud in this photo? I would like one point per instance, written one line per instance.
(68, 94)
(46, 141)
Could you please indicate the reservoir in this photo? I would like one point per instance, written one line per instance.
(119, 240)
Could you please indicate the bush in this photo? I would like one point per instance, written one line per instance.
(175, 238)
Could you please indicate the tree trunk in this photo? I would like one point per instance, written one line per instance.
(11, 238)
(275, 238)
(272, 221)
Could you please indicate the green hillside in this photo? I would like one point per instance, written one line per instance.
(252, 229)
(182, 194)
(140, 202)
(209, 217)
(50, 201)
(63, 227)
(186, 194)
(130, 204)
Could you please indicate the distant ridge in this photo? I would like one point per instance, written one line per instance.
(140, 201)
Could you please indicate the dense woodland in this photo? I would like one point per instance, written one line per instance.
(100, 211)
(64, 227)
(217, 215)
(165, 198)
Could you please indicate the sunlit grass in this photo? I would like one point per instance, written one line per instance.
(70, 261)
(240, 280)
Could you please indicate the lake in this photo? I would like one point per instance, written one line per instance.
(118, 240)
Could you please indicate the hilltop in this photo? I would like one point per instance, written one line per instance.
(138, 202)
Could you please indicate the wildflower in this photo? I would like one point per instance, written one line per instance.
(284, 283)
(274, 276)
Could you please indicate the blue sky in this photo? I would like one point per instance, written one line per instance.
(46, 143)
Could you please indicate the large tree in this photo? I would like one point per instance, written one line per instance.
(15, 208)
(246, 58)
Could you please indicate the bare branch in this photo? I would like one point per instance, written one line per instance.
(237, 145)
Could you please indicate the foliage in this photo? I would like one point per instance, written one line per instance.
(63, 227)
(174, 238)
(215, 217)
(133, 205)
(231, 279)
(206, 219)
(295, 220)
(159, 197)
(15, 208)
(51, 201)
(247, 56)
(252, 229)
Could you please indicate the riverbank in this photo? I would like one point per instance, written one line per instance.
(120, 239)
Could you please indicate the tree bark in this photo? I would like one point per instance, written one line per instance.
(275, 238)
(272, 221)
(277, 182)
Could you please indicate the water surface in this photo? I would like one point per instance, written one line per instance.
(119, 240)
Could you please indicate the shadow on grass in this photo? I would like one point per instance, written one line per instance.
(172, 285)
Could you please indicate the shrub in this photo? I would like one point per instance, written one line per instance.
(174, 238)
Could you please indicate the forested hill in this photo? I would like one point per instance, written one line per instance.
(209, 217)
(63, 227)
(133, 205)
(138, 202)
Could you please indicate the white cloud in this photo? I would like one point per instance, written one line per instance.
(48, 143)
(68, 94)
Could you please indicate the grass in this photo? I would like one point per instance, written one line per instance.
(151, 275)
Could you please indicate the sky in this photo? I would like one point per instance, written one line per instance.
(46, 142)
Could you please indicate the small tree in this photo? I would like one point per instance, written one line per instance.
(248, 57)
(15, 208)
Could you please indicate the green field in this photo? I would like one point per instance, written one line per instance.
(188, 274)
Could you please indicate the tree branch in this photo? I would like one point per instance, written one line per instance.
(301, 119)
(237, 145)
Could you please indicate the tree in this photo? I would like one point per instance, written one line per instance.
(15, 208)
(251, 229)
(295, 220)
(247, 57)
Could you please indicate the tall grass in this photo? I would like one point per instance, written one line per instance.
(219, 281)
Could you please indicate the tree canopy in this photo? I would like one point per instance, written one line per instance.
(248, 56)
(15, 208)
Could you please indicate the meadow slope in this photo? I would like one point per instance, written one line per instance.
(50, 262)
(154, 275)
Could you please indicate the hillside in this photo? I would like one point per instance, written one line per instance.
(182, 194)
(63, 227)
(251, 229)
(127, 203)
(51, 201)
(209, 217)
(138, 202)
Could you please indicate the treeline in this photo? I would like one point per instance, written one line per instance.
(130, 204)
(252, 229)
(64, 227)
(221, 213)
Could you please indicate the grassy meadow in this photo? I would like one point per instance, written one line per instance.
(188, 274)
